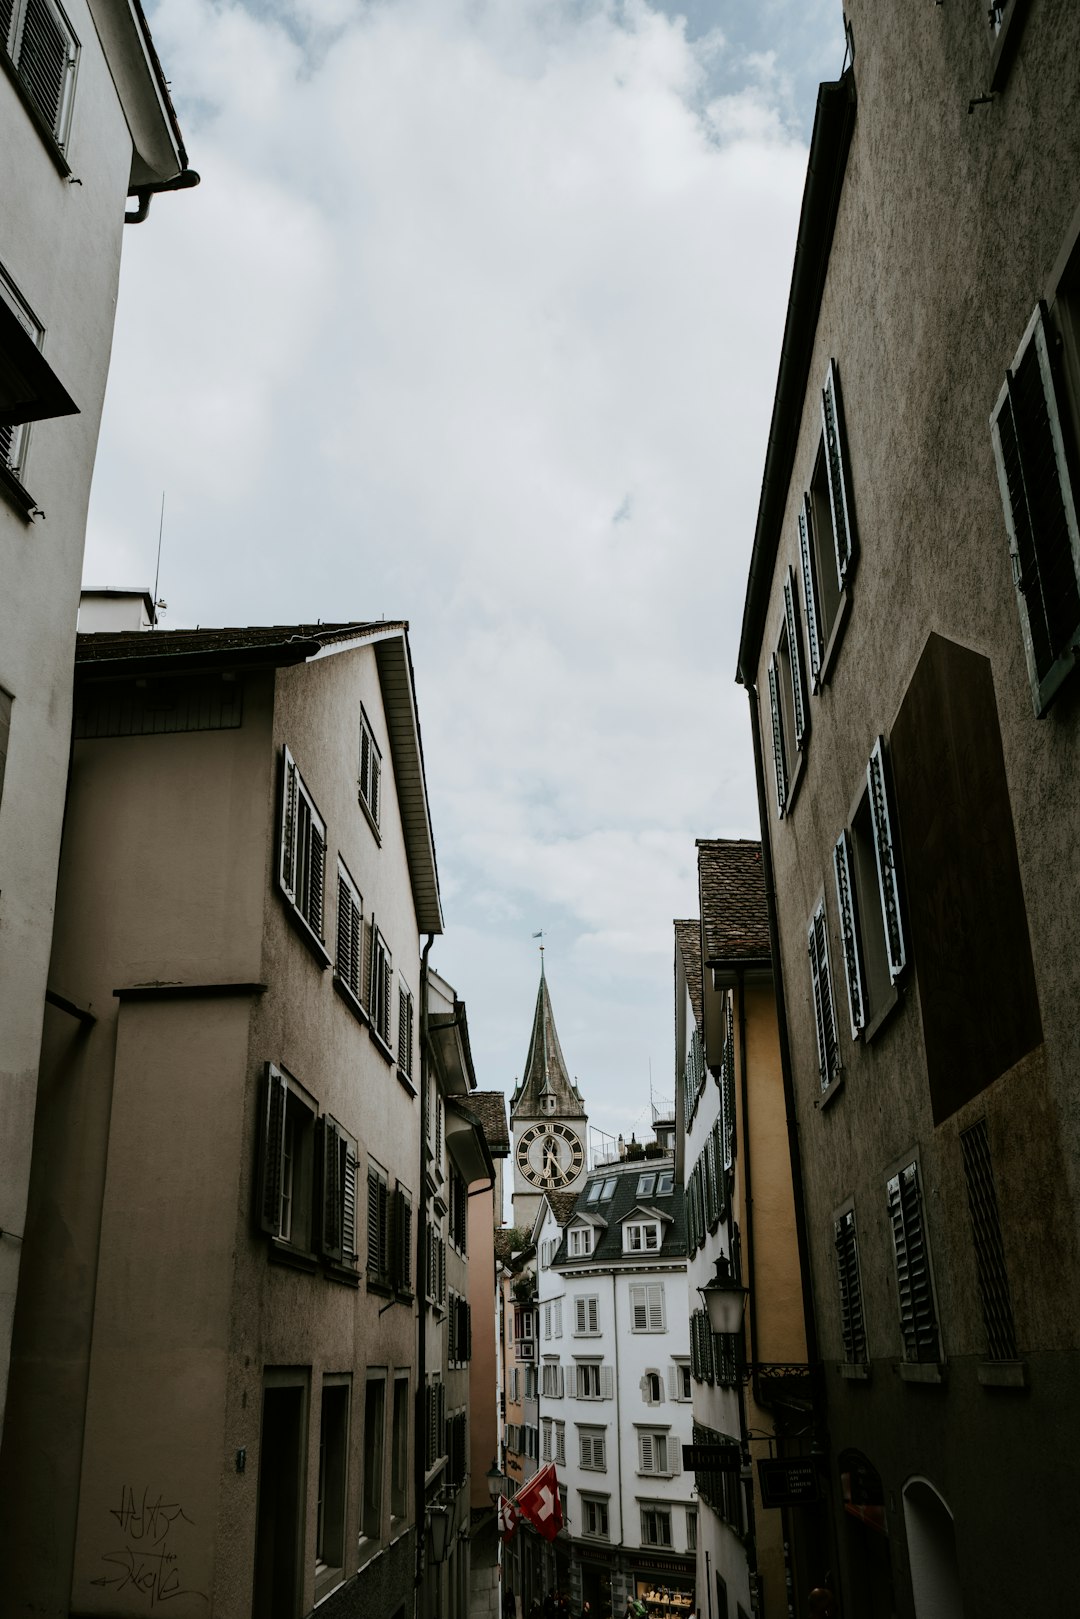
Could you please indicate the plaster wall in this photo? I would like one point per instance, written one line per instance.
(949, 227)
(483, 1373)
(60, 246)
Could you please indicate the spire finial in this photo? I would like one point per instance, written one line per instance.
(540, 936)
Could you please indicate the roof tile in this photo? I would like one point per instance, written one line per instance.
(734, 913)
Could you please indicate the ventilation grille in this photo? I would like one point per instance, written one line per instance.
(989, 1249)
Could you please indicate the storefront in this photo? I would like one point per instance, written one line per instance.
(665, 1585)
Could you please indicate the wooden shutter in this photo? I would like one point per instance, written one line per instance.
(346, 956)
(779, 764)
(840, 503)
(272, 1148)
(918, 1320)
(798, 679)
(348, 1205)
(885, 858)
(607, 1383)
(646, 1453)
(673, 1382)
(387, 985)
(330, 1146)
(369, 958)
(825, 1018)
(655, 1293)
(1040, 510)
(852, 1326)
(639, 1309)
(316, 877)
(560, 1383)
(287, 868)
(810, 597)
(442, 1270)
(404, 1235)
(843, 871)
(674, 1456)
(45, 59)
(373, 1240)
(451, 1332)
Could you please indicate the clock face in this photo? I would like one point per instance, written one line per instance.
(549, 1155)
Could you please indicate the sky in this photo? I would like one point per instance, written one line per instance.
(474, 320)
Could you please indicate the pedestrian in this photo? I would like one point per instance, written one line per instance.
(509, 1606)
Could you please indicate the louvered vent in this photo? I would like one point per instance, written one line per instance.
(989, 1248)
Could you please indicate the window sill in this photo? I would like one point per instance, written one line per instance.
(283, 1253)
(305, 930)
(371, 821)
(836, 635)
(367, 1548)
(380, 1044)
(327, 1581)
(13, 491)
(384, 1289)
(337, 1272)
(406, 1082)
(48, 139)
(1002, 1374)
(352, 1001)
(795, 777)
(921, 1371)
(854, 1371)
(834, 1089)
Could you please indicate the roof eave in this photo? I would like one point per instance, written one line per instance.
(834, 122)
(403, 724)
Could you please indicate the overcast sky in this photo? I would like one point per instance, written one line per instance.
(474, 320)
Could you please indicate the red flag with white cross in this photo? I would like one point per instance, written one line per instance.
(539, 1502)
(508, 1518)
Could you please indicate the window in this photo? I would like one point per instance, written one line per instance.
(333, 1465)
(287, 1158)
(593, 1194)
(641, 1236)
(435, 1422)
(592, 1446)
(600, 1191)
(560, 1443)
(458, 1211)
(993, 1278)
(665, 1183)
(868, 899)
(552, 1312)
(645, 1186)
(378, 1227)
(593, 1381)
(852, 1325)
(546, 1449)
(530, 1382)
(43, 51)
(656, 1526)
(586, 1317)
(552, 1382)
(722, 1490)
(658, 1452)
(374, 1419)
(302, 860)
(580, 1242)
(370, 778)
(594, 1516)
(1005, 19)
(1034, 446)
(680, 1386)
(457, 1450)
(817, 943)
(524, 1323)
(558, 1318)
(399, 1469)
(405, 1030)
(827, 545)
(652, 1388)
(647, 1307)
(918, 1318)
(436, 1266)
(691, 1529)
(713, 1356)
(380, 980)
(787, 700)
(337, 1167)
(348, 964)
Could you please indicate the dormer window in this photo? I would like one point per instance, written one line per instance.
(579, 1242)
(600, 1191)
(547, 1104)
(641, 1236)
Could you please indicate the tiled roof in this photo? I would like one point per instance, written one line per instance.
(688, 944)
(624, 1198)
(271, 643)
(734, 914)
(562, 1205)
(504, 1244)
(490, 1109)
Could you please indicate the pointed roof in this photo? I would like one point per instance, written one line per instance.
(545, 1067)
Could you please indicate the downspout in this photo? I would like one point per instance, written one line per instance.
(744, 1102)
(144, 195)
(420, 1415)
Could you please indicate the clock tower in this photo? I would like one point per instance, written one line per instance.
(548, 1121)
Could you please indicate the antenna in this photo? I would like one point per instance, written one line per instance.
(157, 570)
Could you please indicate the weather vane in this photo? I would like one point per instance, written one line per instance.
(540, 936)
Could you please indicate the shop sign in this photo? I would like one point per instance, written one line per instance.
(712, 1458)
(788, 1481)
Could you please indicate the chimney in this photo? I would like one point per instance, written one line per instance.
(114, 607)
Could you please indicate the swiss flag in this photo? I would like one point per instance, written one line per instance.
(508, 1517)
(539, 1502)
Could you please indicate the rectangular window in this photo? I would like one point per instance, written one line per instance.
(587, 1317)
(560, 1444)
(641, 1237)
(349, 959)
(647, 1307)
(658, 1452)
(915, 1289)
(787, 699)
(594, 1517)
(370, 778)
(656, 1526)
(405, 1030)
(403, 1241)
(333, 1468)
(680, 1386)
(435, 1423)
(587, 1380)
(592, 1444)
(552, 1382)
(374, 1420)
(817, 943)
(852, 1325)
(378, 1232)
(399, 1474)
(287, 1162)
(1033, 447)
(827, 546)
(302, 849)
(989, 1248)
(646, 1186)
(546, 1450)
(580, 1242)
(337, 1202)
(380, 983)
(43, 50)
(691, 1529)
(868, 898)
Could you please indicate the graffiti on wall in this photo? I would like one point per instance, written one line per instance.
(143, 1561)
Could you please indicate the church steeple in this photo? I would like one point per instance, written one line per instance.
(547, 1117)
(546, 1088)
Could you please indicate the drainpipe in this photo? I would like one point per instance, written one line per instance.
(420, 1416)
(744, 1102)
(144, 195)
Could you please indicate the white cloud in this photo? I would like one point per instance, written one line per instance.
(475, 319)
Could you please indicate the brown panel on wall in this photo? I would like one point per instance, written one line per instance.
(969, 929)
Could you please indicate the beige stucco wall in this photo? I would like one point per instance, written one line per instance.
(484, 1432)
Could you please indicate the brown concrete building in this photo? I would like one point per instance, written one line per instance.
(214, 1379)
(909, 641)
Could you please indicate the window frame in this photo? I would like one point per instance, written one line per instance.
(874, 962)
(330, 1568)
(598, 1506)
(372, 1491)
(369, 773)
(644, 1227)
(595, 1437)
(380, 978)
(660, 1511)
(648, 1297)
(580, 1242)
(830, 1066)
(287, 1180)
(587, 1305)
(827, 560)
(306, 901)
(850, 1299)
(349, 940)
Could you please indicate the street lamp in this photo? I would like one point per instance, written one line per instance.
(439, 1530)
(724, 1298)
(495, 1480)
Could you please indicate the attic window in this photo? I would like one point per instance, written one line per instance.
(580, 1242)
(547, 1104)
(641, 1236)
(646, 1185)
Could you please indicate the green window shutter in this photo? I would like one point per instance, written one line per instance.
(779, 764)
(849, 931)
(840, 502)
(1040, 510)
(810, 599)
(271, 1150)
(885, 858)
(798, 679)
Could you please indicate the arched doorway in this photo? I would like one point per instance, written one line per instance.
(931, 1540)
(868, 1582)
